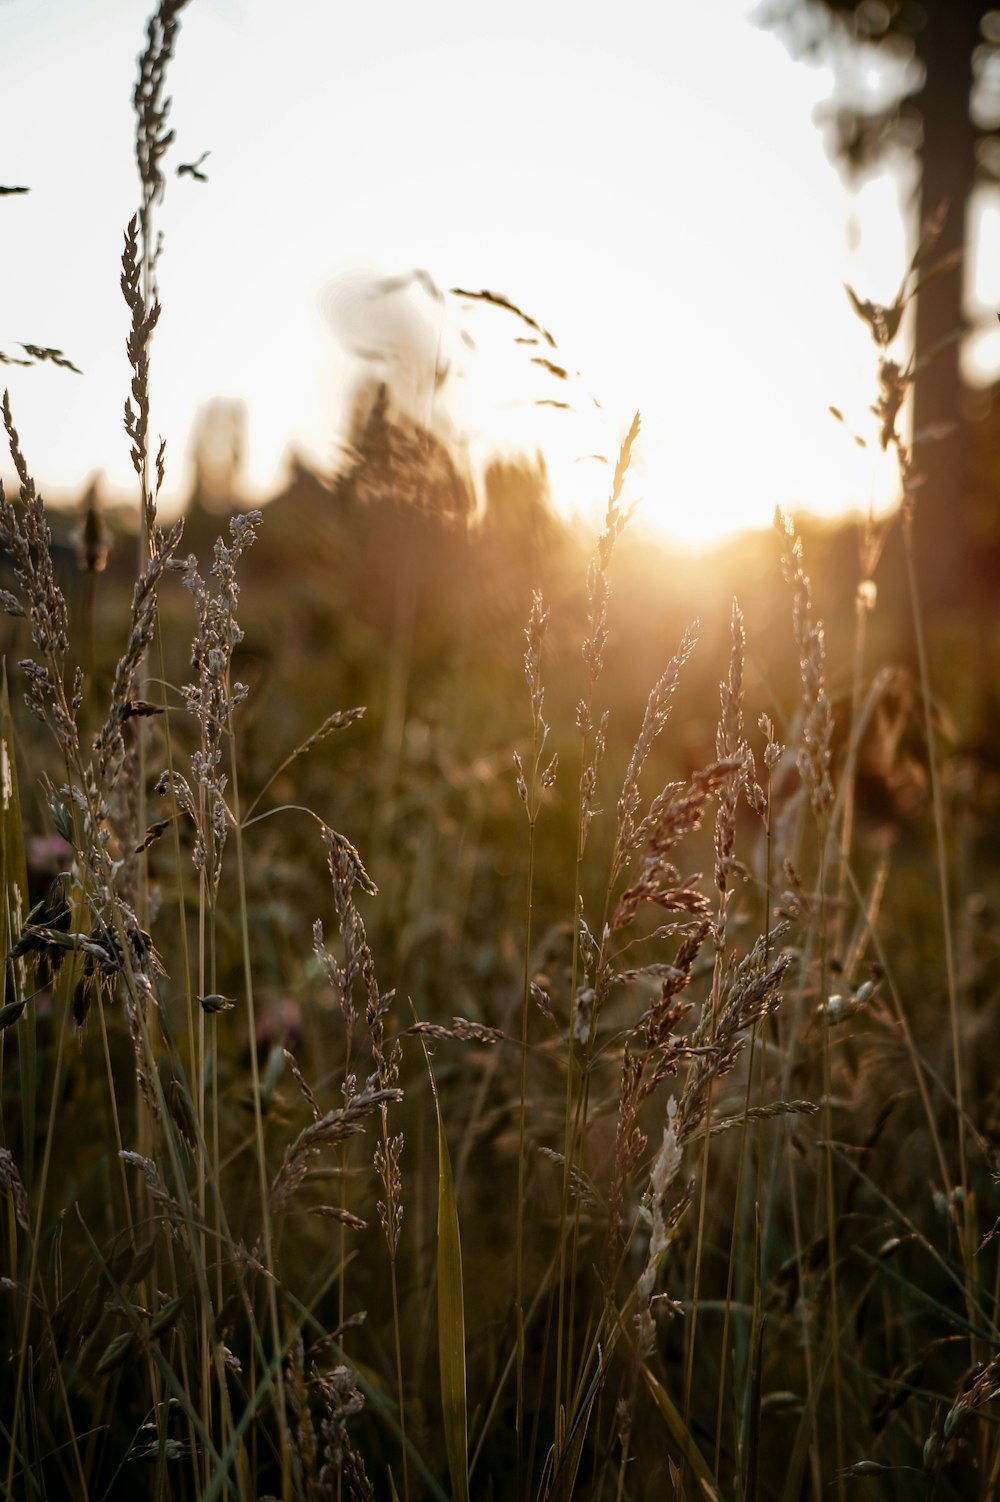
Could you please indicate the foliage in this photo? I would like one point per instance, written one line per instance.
(616, 1122)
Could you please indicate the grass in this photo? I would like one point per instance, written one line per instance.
(626, 1133)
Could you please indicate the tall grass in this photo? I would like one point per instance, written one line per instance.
(630, 1181)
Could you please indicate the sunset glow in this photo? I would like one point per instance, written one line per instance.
(686, 245)
(499, 724)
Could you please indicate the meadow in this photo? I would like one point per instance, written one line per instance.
(490, 1012)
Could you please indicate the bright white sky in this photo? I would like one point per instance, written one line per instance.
(644, 179)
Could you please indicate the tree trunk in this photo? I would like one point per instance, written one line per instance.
(945, 46)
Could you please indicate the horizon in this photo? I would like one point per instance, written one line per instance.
(686, 244)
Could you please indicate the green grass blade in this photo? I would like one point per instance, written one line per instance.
(681, 1436)
(25, 1474)
(15, 875)
(13, 908)
(564, 1481)
(172, 1382)
(799, 1454)
(451, 1317)
(756, 1379)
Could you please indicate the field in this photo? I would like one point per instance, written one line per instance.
(489, 1011)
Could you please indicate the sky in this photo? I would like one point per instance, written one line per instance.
(645, 181)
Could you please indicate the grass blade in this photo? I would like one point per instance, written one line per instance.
(13, 907)
(451, 1316)
(681, 1436)
(568, 1464)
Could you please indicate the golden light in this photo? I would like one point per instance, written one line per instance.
(681, 233)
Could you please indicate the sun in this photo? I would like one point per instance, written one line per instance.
(695, 479)
(729, 430)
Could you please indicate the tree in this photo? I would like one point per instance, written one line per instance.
(923, 80)
(399, 461)
(218, 449)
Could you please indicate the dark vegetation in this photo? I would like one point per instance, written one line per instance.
(637, 1138)
(918, 85)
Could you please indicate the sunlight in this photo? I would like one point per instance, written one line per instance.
(665, 847)
(703, 288)
(735, 399)
(723, 320)
(708, 462)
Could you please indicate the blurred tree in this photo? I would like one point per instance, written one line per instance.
(919, 80)
(218, 449)
(519, 502)
(398, 460)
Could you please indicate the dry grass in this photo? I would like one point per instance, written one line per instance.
(634, 1181)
